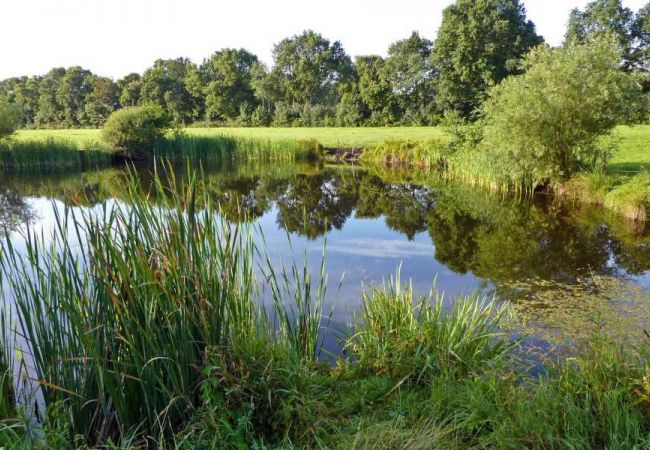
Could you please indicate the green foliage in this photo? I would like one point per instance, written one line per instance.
(26, 156)
(309, 68)
(410, 72)
(10, 116)
(130, 90)
(167, 84)
(548, 122)
(609, 18)
(376, 91)
(101, 101)
(71, 93)
(414, 338)
(227, 77)
(479, 44)
(632, 198)
(133, 131)
(226, 148)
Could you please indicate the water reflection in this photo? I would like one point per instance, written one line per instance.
(518, 249)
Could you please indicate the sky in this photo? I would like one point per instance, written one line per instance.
(116, 37)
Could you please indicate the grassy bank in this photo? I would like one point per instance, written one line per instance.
(623, 191)
(633, 152)
(136, 343)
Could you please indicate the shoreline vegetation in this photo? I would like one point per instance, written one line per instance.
(624, 189)
(188, 360)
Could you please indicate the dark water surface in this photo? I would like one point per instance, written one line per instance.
(569, 272)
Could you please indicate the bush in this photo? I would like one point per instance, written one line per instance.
(9, 119)
(134, 130)
(549, 121)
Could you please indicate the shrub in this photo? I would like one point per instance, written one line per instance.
(549, 121)
(134, 130)
(9, 119)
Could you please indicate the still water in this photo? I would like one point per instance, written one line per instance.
(568, 272)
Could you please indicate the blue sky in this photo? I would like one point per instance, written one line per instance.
(115, 37)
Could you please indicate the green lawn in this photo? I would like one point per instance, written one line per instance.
(633, 153)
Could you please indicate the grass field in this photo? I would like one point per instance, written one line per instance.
(329, 137)
(633, 153)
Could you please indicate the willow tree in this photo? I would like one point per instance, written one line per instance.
(548, 122)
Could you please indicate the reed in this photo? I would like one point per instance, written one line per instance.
(469, 165)
(51, 154)
(121, 308)
(631, 199)
(420, 338)
(226, 148)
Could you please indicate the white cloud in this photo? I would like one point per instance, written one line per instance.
(115, 37)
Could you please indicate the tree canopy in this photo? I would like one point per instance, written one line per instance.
(309, 68)
(314, 82)
(480, 42)
(227, 79)
(611, 18)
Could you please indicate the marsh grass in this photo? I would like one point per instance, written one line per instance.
(626, 196)
(122, 307)
(224, 148)
(465, 164)
(405, 335)
(51, 153)
(632, 198)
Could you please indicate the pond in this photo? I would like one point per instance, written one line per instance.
(569, 272)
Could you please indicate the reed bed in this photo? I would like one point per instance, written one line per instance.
(122, 308)
(51, 154)
(422, 337)
(147, 329)
(468, 165)
(226, 148)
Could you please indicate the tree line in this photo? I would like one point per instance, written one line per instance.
(314, 82)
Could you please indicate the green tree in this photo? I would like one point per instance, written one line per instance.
(605, 17)
(102, 100)
(130, 90)
(50, 112)
(480, 43)
(309, 69)
(22, 91)
(9, 119)
(548, 121)
(165, 84)
(641, 31)
(71, 93)
(375, 90)
(227, 78)
(410, 72)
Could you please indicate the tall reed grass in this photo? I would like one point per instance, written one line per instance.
(421, 337)
(468, 165)
(123, 306)
(51, 153)
(229, 148)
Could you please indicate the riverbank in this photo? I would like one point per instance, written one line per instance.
(624, 190)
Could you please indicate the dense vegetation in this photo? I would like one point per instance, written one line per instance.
(313, 82)
(548, 123)
(134, 130)
(190, 360)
